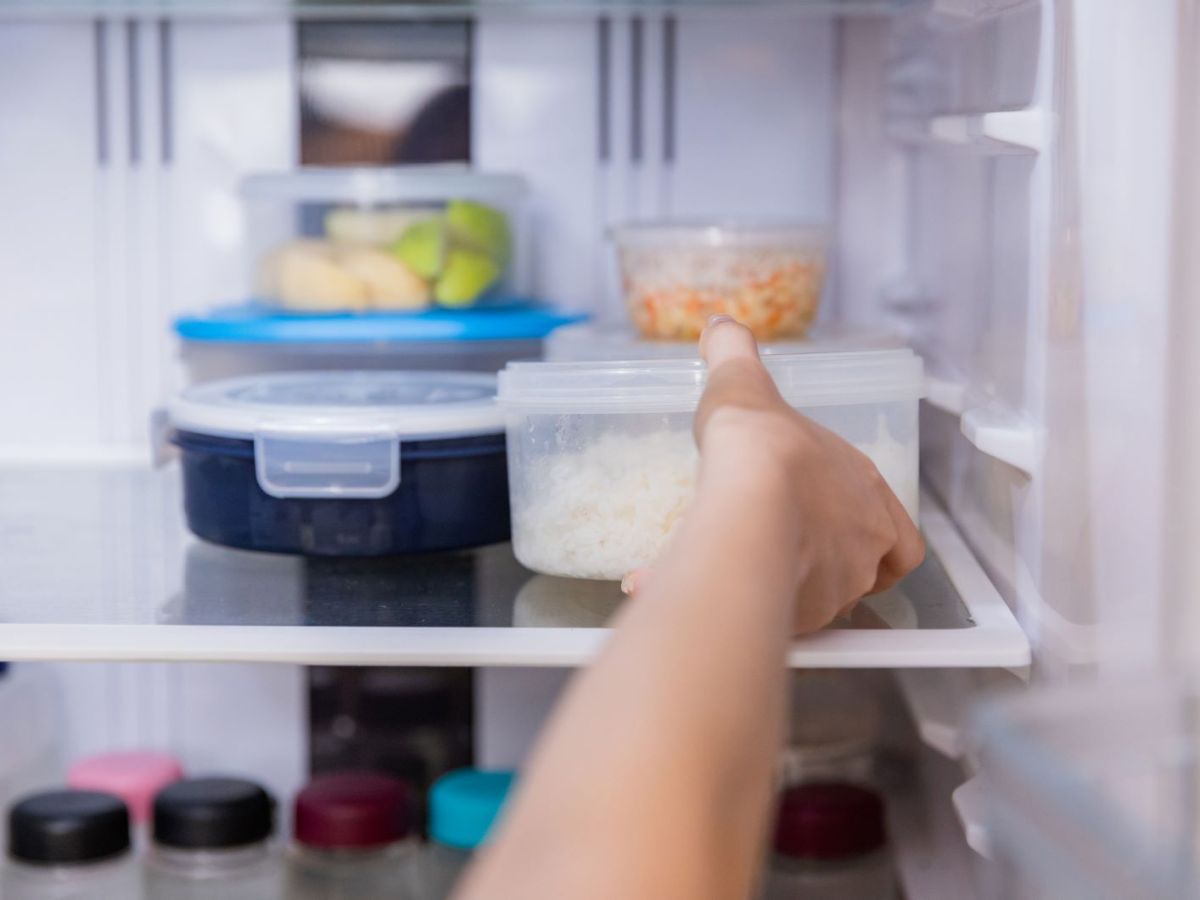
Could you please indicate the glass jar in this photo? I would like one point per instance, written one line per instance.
(830, 844)
(212, 841)
(69, 845)
(352, 839)
(463, 806)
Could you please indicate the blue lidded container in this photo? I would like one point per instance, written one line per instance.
(344, 463)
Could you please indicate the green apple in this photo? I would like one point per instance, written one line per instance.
(478, 227)
(467, 275)
(422, 247)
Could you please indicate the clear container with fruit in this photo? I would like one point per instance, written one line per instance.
(408, 238)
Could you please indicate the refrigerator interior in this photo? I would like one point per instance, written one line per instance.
(962, 152)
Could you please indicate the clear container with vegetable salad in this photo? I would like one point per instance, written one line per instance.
(675, 275)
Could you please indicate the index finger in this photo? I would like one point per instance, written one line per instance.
(736, 376)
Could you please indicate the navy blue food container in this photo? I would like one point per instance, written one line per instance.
(344, 463)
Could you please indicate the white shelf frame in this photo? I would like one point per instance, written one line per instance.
(995, 640)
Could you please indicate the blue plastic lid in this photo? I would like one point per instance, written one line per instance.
(258, 323)
(463, 805)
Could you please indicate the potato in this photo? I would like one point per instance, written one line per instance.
(390, 283)
(312, 279)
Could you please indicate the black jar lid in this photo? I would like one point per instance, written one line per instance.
(212, 814)
(68, 827)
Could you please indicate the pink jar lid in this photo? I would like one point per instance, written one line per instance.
(352, 810)
(134, 776)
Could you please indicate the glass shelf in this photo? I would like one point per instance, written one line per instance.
(98, 566)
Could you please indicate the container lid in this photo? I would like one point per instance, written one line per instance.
(212, 813)
(716, 233)
(594, 342)
(258, 323)
(829, 821)
(134, 776)
(355, 810)
(379, 185)
(805, 379)
(318, 404)
(62, 827)
(464, 804)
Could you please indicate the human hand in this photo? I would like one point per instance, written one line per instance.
(828, 503)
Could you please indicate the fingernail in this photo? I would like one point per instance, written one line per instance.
(718, 319)
(627, 585)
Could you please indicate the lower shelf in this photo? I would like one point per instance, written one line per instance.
(98, 566)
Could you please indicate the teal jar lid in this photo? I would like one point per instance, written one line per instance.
(463, 805)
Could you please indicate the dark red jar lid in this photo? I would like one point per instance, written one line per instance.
(353, 810)
(829, 821)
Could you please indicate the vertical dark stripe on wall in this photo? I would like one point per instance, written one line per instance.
(135, 90)
(100, 40)
(603, 74)
(636, 68)
(166, 98)
(668, 87)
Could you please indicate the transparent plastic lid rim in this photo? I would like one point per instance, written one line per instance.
(316, 405)
(717, 233)
(600, 342)
(808, 379)
(377, 186)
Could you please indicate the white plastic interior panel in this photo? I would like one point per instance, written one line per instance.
(970, 804)
(98, 566)
(122, 148)
(939, 702)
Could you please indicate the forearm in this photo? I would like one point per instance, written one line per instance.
(653, 779)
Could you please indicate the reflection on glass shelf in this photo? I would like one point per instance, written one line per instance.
(484, 587)
(98, 564)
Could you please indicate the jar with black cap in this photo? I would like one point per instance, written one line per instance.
(69, 845)
(212, 839)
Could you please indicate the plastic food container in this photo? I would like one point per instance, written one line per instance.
(675, 275)
(587, 341)
(602, 461)
(405, 238)
(344, 464)
(251, 338)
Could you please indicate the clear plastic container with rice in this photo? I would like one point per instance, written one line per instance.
(406, 238)
(675, 275)
(602, 463)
